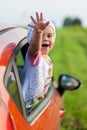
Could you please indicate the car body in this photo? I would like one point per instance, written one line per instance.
(46, 114)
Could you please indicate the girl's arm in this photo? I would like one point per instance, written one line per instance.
(36, 40)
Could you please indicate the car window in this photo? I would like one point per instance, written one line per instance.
(12, 83)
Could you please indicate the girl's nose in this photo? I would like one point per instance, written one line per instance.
(45, 37)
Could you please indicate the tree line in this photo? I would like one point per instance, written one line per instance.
(68, 21)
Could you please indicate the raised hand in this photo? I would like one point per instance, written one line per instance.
(39, 24)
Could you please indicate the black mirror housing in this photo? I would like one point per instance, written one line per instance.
(67, 82)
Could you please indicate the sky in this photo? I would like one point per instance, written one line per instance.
(19, 11)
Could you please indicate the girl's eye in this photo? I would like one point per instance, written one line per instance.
(49, 35)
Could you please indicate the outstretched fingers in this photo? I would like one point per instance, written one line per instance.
(46, 24)
(31, 25)
(39, 16)
(33, 19)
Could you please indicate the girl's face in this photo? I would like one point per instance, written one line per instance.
(48, 40)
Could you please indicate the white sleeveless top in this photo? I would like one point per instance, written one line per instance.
(36, 77)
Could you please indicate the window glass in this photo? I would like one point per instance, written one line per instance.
(12, 88)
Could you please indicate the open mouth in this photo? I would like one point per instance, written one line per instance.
(45, 45)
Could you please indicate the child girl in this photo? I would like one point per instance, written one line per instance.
(37, 72)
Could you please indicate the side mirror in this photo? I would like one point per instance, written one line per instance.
(67, 82)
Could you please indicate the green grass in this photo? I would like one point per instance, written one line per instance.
(70, 56)
(14, 93)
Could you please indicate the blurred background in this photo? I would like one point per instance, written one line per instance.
(70, 52)
(19, 11)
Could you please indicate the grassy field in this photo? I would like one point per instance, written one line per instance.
(70, 56)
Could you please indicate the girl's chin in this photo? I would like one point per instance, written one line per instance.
(45, 50)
